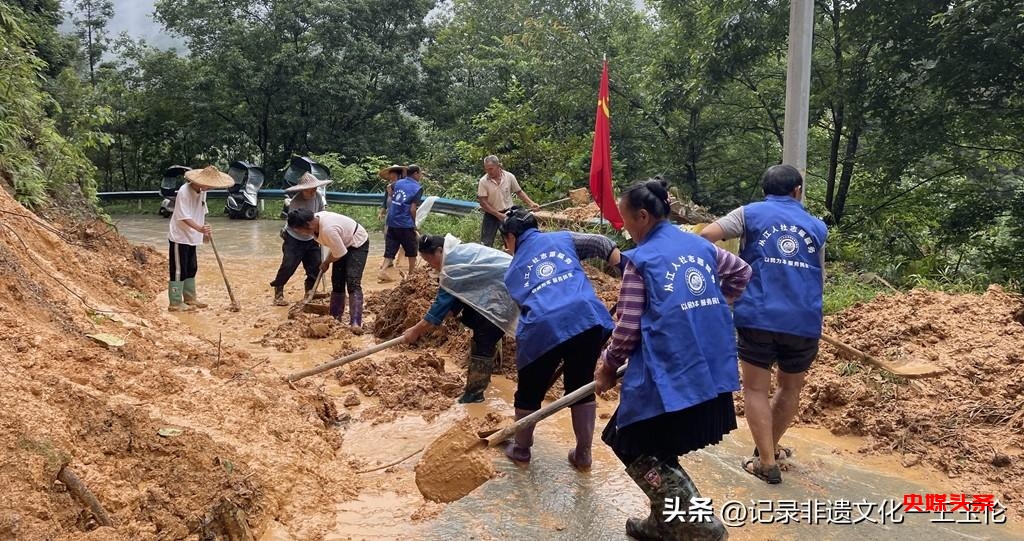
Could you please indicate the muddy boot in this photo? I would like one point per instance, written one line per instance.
(337, 308)
(386, 274)
(583, 417)
(355, 305)
(174, 296)
(189, 293)
(477, 379)
(279, 297)
(519, 449)
(660, 481)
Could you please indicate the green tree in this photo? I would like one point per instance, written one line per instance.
(36, 159)
(301, 76)
(90, 20)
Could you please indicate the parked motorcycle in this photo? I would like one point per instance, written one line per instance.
(173, 179)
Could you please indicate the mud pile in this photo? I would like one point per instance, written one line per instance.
(175, 436)
(968, 422)
(403, 306)
(288, 335)
(606, 286)
(405, 383)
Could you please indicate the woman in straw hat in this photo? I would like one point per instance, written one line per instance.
(297, 247)
(188, 229)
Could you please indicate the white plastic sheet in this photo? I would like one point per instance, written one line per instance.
(475, 275)
(424, 210)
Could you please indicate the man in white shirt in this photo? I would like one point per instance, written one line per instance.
(494, 192)
(188, 230)
(349, 247)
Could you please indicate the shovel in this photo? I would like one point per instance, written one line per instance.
(908, 370)
(299, 306)
(234, 304)
(549, 203)
(491, 438)
(341, 361)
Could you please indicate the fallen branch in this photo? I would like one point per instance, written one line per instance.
(84, 495)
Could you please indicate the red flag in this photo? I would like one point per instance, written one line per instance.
(601, 162)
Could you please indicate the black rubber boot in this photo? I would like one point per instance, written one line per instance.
(477, 378)
(660, 480)
(583, 418)
(279, 297)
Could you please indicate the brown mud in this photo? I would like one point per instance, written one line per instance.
(455, 464)
(286, 336)
(176, 436)
(968, 422)
(404, 383)
(243, 443)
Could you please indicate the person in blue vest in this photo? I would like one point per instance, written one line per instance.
(401, 218)
(779, 319)
(470, 286)
(676, 332)
(561, 323)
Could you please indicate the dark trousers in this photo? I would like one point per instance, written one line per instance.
(295, 251)
(486, 335)
(347, 272)
(488, 229)
(578, 356)
(182, 261)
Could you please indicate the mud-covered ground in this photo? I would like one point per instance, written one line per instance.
(968, 422)
(176, 436)
(189, 425)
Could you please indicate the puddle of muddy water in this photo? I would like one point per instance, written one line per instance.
(547, 500)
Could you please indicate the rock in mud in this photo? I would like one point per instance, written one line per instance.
(319, 330)
(1000, 460)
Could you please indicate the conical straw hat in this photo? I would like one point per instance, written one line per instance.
(209, 176)
(306, 182)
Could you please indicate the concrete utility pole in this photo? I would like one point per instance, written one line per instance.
(798, 85)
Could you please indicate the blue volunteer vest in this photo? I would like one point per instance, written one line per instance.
(556, 301)
(687, 350)
(402, 197)
(782, 244)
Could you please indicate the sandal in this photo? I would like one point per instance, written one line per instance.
(771, 475)
(782, 453)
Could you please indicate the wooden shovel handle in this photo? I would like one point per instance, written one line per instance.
(224, 275)
(345, 360)
(545, 412)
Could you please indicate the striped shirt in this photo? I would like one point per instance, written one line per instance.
(733, 274)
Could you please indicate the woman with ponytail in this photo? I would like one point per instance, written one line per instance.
(675, 330)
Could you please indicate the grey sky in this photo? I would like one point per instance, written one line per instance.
(135, 17)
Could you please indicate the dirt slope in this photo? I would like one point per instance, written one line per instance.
(243, 440)
(968, 422)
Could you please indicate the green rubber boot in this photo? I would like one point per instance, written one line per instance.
(189, 294)
(175, 290)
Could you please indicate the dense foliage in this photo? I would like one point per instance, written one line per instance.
(917, 109)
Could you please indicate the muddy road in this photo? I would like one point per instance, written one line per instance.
(548, 500)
